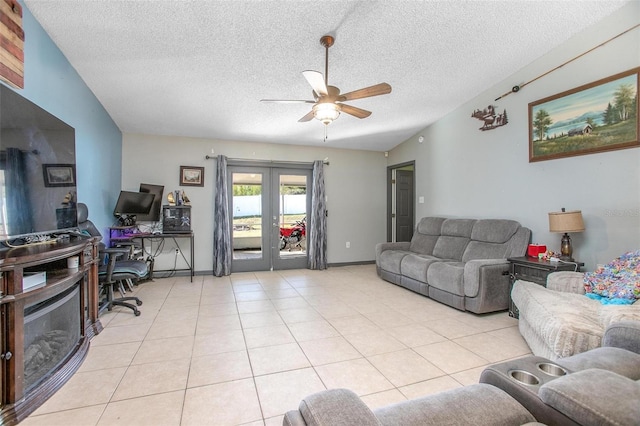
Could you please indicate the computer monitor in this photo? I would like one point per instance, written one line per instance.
(130, 204)
(155, 212)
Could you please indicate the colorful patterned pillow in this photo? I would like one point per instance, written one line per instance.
(619, 279)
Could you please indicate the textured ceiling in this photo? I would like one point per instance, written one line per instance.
(199, 68)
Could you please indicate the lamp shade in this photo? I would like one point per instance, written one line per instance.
(566, 221)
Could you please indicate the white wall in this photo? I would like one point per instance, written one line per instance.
(462, 171)
(354, 180)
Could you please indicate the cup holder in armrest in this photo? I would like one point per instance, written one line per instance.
(551, 369)
(524, 377)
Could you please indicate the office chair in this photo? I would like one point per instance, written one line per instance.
(112, 271)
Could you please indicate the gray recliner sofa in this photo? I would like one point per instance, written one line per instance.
(458, 262)
(597, 387)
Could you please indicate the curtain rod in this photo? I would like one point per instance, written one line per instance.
(24, 151)
(213, 157)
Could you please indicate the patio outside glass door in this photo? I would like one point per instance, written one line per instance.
(269, 208)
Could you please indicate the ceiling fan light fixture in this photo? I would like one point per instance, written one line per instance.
(326, 112)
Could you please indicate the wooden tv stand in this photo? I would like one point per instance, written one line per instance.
(21, 393)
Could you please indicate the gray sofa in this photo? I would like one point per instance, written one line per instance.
(459, 262)
(598, 387)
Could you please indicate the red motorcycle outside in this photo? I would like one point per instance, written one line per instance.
(294, 237)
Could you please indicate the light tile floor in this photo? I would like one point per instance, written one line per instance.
(245, 349)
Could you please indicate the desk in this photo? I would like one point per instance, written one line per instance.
(149, 239)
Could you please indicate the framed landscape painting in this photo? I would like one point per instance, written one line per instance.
(191, 176)
(597, 117)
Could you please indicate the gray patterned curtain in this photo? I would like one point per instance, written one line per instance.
(19, 218)
(318, 224)
(221, 227)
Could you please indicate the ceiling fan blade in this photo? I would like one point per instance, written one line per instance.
(316, 80)
(367, 92)
(356, 112)
(288, 101)
(307, 117)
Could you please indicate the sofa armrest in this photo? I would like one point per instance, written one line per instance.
(566, 281)
(336, 407)
(380, 247)
(293, 418)
(480, 271)
(624, 335)
(486, 285)
(594, 396)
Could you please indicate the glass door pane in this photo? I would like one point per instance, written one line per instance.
(248, 202)
(293, 203)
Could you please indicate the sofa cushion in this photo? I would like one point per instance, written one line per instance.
(620, 361)
(336, 407)
(623, 335)
(482, 250)
(447, 276)
(595, 397)
(458, 227)
(610, 314)
(390, 260)
(415, 266)
(478, 404)
(494, 230)
(426, 235)
(566, 281)
(450, 247)
(490, 239)
(454, 239)
(430, 225)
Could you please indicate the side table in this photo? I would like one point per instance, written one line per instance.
(535, 270)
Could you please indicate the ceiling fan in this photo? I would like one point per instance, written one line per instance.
(328, 102)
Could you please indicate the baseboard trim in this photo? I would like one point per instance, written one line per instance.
(360, 262)
(329, 265)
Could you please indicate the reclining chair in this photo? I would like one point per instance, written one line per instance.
(113, 272)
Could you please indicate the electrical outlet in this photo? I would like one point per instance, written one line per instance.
(348, 244)
(177, 250)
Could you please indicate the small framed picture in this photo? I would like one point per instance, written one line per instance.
(191, 176)
(59, 175)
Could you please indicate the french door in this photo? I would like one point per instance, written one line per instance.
(269, 208)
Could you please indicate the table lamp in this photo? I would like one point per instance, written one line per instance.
(565, 222)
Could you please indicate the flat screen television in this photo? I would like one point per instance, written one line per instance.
(38, 184)
(155, 212)
(130, 204)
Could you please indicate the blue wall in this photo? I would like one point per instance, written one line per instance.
(53, 84)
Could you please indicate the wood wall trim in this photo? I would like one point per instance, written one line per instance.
(11, 43)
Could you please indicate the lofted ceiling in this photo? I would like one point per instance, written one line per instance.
(200, 68)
